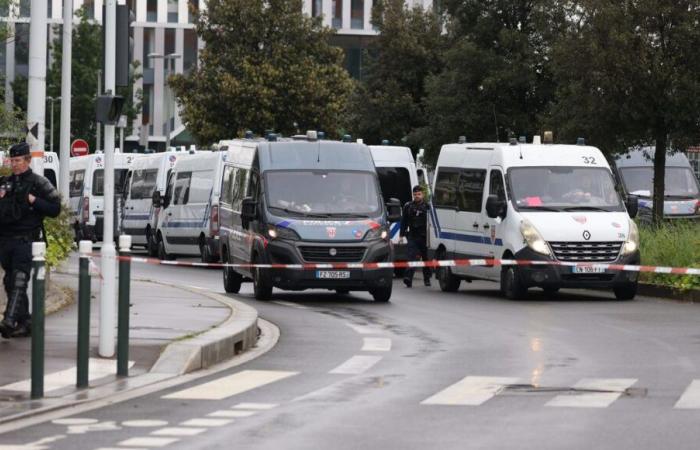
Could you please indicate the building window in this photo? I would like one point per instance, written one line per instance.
(49, 8)
(149, 36)
(192, 10)
(147, 105)
(337, 13)
(357, 14)
(317, 8)
(169, 41)
(152, 11)
(189, 60)
(172, 11)
(89, 6)
(24, 8)
(4, 10)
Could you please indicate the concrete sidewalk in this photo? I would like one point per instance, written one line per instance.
(174, 330)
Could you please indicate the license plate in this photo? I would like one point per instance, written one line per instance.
(333, 274)
(586, 269)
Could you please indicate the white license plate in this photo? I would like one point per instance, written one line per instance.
(586, 269)
(333, 274)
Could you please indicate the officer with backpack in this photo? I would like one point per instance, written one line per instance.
(25, 199)
(414, 227)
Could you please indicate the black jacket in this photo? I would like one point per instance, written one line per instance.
(17, 216)
(414, 221)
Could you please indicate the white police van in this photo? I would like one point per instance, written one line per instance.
(86, 191)
(51, 167)
(147, 177)
(188, 223)
(532, 202)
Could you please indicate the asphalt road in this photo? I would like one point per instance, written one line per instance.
(464, 370)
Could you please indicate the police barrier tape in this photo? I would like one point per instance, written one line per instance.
(419, 264)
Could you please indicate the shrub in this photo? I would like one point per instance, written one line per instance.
(675, 245)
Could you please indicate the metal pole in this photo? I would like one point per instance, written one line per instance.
(98, 143)
(51, 137)
(38, 252)
(124, 304)
(167, 104)
(121, 139)
(36, 100)
(83, 362)
(108, 303)
(66, 82)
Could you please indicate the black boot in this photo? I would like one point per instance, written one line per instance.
(17, 304)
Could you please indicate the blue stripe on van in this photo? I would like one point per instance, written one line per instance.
(185, 224)
(137, 217)
(477, 238)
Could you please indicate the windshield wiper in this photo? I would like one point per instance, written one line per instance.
(299, 213)
(539, 208)
(349, 215)
(585, 208)
(680, 196)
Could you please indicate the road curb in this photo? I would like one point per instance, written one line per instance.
(667, 293)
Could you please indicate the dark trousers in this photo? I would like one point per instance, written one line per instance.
(417, 247)
(16, 261)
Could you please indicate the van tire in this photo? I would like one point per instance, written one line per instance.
(511, 285)
(550, 290)
(342, 291)
(625, 292)
(162, 253)
(232, 279)
(151, 244)
(382, 294)
(204, 252)
(447, 281)
(262, 281)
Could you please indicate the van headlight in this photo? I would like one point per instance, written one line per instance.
(376, 233)
(632, 243)
(288, 234)
(534, 239)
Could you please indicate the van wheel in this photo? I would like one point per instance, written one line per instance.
(550, 290)
(262, 281)
(151, 244)
(626, 292)
(511, 285)
(381, 295)
(342, 291)
(232, 279)
(78, 234)
(204, 252)
(398, 272)
(448, 282)
(162, 253)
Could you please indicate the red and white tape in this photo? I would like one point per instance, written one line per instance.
(418, 264)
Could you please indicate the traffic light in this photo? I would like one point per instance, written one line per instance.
(109, 108)
(125, 44)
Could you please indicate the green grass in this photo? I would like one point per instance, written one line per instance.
(675, 245)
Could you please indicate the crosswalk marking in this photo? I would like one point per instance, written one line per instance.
(470, 391)
(690, 398)
(148, 442)
(615, 386)
(371, 344)
(206, 423)
(98, 368)
(231, 413)
(231, 385)
(179, 431)
(356, 365)
(365, 329)
(256, 406)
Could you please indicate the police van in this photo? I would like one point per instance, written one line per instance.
(86, 191)
(189, 218)
(532, 202)
(635, 171)
(51, 167)
(147, 176)
(305, 201)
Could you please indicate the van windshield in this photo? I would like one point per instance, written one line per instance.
(563, 189)
(323, 193)
(98, 187)
(680, 181)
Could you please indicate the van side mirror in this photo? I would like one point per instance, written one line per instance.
(249, 209)
(393, 208)
(632, 205)
(495, 207)
(157, 200)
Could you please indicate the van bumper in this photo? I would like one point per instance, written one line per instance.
(564, 277)
(281, 252)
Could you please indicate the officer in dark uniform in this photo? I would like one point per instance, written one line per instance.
(414, 226)
(25, 199)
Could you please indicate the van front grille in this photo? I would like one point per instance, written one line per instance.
(323, 254)
(586, 251)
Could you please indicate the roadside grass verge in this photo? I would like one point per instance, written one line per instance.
(675, 245)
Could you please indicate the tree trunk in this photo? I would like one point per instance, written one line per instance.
(659, 178)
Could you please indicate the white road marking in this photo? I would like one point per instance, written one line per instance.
(289, 304)
(231, 413)
(690, 398)
(616, 386)
(178, 431)
(147, 441)
(365, 329)
(256, 406)
(231, 385)
(372, 344)
(206, 422)
(356, 365)
(99, 368)
(470, 390)
(36, 445)
(120, 448)
(100, 426)
(145, 423)
(74, 421)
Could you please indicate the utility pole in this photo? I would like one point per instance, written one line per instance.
(108, 301)
(51, 100)
(36, 101)
(98, 143)
(66, 82)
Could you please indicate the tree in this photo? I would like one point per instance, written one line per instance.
(265, 65)
(628, 74)
(497, 80)
(386, 104)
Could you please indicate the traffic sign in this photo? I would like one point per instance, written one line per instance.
(79, 147)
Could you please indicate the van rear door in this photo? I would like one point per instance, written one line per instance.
(470, 238)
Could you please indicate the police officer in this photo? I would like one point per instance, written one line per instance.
(25, 199)
(414, 226)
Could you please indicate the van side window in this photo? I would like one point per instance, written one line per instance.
(254, 186)
(182, 186)
(76, 183)
(201, 183)
(496, 186)
(395, 182)
(239, 185)
(445, 195)
(471, 190)
(143, 183)
(227, 185)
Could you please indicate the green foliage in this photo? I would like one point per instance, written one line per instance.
(265, 65)
(59, 237)
(11, 127)
(5, 171)
(386, 104)
(675, 245)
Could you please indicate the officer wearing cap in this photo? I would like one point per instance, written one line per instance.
(25, 199)
(414, 227)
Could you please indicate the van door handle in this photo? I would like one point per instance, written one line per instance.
(475, 225)
(486, 226)
(170, 214)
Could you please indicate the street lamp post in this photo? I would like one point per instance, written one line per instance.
(167, 59)
(52, 100)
